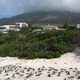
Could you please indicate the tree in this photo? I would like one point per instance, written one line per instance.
(65, 26)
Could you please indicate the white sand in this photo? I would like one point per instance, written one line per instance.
(67, 67)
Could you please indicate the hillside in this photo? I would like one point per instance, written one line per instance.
(45, 18)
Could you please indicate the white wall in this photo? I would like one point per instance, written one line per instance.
(78, 25)
(13, 27)
(21, 24)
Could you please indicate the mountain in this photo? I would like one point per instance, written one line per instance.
(44, 18)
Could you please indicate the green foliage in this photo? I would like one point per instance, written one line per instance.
(29, 45)
(65, 26)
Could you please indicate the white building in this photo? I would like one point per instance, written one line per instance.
(37, 30)
(49, 27)
(22, 24)
(16, 27)
(78, 25)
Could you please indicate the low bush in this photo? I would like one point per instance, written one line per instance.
(29, 45)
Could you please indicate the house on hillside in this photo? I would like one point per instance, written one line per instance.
(49, 27)
(16, 27)
(22, 24)
(78, 25)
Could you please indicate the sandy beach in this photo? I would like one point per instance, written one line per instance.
(67, 67)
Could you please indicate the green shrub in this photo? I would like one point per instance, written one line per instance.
(29, 45)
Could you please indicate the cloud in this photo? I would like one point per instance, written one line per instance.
(14, 7)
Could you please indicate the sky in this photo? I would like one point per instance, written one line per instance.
(10, 8)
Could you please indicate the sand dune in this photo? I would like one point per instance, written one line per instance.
(67, 67)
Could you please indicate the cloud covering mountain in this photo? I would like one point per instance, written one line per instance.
(14, 7)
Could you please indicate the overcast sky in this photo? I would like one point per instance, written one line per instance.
(14, 7)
